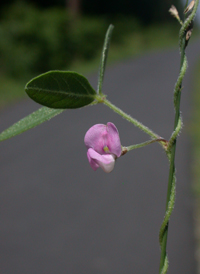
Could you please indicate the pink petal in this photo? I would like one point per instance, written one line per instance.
(96, 138)
(100, 136)
(113, 140)
(106, 161)
(92, 162)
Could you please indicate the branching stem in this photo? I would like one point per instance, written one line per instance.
(161, 140)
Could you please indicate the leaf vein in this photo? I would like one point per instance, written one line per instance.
(61, 92)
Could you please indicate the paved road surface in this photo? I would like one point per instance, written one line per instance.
(59, 216)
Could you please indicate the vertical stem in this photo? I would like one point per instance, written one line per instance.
(171, 181)
(187, 26)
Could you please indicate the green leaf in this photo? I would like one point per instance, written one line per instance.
(104, 58)
(38, 117)
(61, 89)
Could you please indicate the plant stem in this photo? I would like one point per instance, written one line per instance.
(130, 119)
(146, 144)
(171, 152)
(171, 180)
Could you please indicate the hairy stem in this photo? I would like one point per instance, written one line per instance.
(172, 143)
(130, 119)
(163, 141)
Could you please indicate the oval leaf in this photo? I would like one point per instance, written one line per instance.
(61, 89)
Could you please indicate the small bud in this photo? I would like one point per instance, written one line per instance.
(174, 11)
(189, 7)
(188, 34)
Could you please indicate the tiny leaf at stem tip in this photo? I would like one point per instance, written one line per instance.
(104, 56)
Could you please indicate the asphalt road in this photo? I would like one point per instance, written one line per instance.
(59, 216)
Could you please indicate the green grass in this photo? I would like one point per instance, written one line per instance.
(138, 43)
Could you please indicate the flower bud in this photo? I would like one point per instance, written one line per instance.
(189, 7)
(174, 12)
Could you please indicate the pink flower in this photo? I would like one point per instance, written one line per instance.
(103, 145)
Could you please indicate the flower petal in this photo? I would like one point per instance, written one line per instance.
(101, 136)
(92, 162)
(96, 138)
(106, 161)
(113, 140)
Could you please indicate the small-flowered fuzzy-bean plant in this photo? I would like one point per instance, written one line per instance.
(60, 90)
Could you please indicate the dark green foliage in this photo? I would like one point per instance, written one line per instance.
(124, 25)
(38, 3)
(59, 89)
(144, 10)
(87, 37)
(34, 41)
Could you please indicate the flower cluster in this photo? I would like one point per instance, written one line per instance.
(104, 146)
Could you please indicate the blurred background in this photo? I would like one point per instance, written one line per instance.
(57, 215)
(37, 36)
